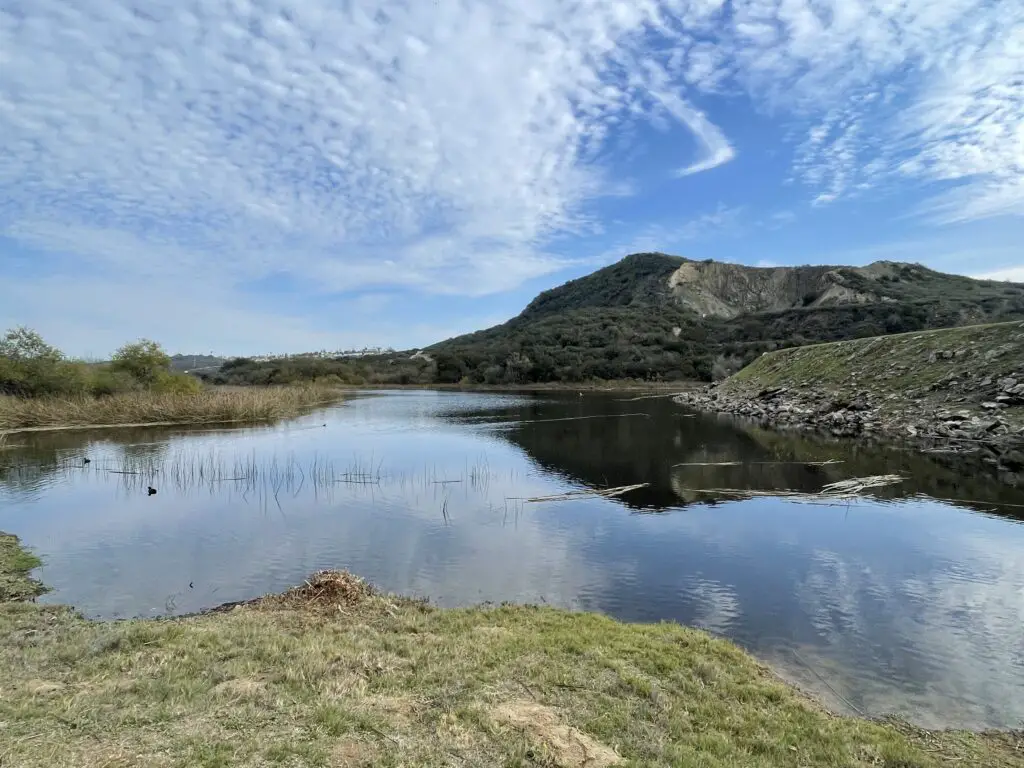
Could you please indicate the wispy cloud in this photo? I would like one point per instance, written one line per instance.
(672, 236)
(451, 146)
(930, 92)
(436, 144)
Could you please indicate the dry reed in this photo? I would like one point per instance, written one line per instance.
(144, 408)
(607, 493)
(852, 488)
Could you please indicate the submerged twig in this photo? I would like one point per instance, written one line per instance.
(648, 397)
(605, 493)
(843, 489)
(578, 418)
(827, 463)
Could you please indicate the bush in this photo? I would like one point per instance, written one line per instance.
(31, 368)
(144, 360)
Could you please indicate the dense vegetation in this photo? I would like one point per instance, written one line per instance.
(32, 368)
(623, 322)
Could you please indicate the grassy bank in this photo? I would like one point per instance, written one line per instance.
(955, 366)
(334, 674)
(207, 406)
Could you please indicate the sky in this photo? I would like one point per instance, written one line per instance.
(264, 176)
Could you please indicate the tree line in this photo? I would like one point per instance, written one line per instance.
(31, 367)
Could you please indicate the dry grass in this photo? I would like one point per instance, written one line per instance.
(334, 674)
(139, 408)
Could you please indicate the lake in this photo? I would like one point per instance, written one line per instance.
(908, 601)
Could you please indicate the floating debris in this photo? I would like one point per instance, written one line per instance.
(828, 463)
(603, 492)
(852, 488)
(578, 418)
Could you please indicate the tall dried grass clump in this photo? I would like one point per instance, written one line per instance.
(205, 406)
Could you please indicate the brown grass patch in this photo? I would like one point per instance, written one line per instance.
(240, 688)
(567, 747)
(352, 754)
(210, 406)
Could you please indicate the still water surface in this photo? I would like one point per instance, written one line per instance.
(910, 601)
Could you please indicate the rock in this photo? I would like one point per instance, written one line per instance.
(989, 406)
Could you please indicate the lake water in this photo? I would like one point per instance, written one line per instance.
(910, 601)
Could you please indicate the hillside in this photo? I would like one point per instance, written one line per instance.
(655, 317)
(196, 362)
(661, 317)
(963, 386)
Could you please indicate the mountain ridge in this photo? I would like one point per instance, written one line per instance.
(655, 315)
(658, 317)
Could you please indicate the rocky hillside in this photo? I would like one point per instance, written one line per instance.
(723, 290)
(660, 317)
(959, 389)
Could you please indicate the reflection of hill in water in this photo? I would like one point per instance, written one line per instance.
(621, 451)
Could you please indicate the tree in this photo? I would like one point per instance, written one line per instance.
(144, 360)
(23, 344)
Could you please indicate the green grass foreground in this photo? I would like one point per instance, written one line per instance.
(213, 405)
(335, 674)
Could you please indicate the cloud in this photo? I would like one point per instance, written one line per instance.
(667, 236)
(448, 147)
(715, 149)
(1012, 274)
(436, 145)
(917, 91)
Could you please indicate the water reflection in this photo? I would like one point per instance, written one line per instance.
(901, 603)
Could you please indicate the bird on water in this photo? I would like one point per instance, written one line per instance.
(150, 490)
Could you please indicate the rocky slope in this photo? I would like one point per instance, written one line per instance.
(957, 390)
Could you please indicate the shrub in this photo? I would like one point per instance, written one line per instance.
(144, 360)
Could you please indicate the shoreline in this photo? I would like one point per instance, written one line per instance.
(996, 440)
(334, 672)
(210, 407)
(589, 387)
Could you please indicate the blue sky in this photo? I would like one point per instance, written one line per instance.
(247, 176)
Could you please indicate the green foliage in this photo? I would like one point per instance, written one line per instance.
(622, 323)
(401, 368)
(29, 367)
(22, 345)
(144, 360)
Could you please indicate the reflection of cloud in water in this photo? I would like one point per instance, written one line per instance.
(717, 605)
(913, 607)
(940, 632)
(459, 543)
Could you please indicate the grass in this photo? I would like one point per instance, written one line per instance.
(214, 405)
(899, 364)
(16, 566)
(334, 674)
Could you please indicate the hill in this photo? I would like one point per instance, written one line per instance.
(196, 362)
(656, 317)
(661, 317)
